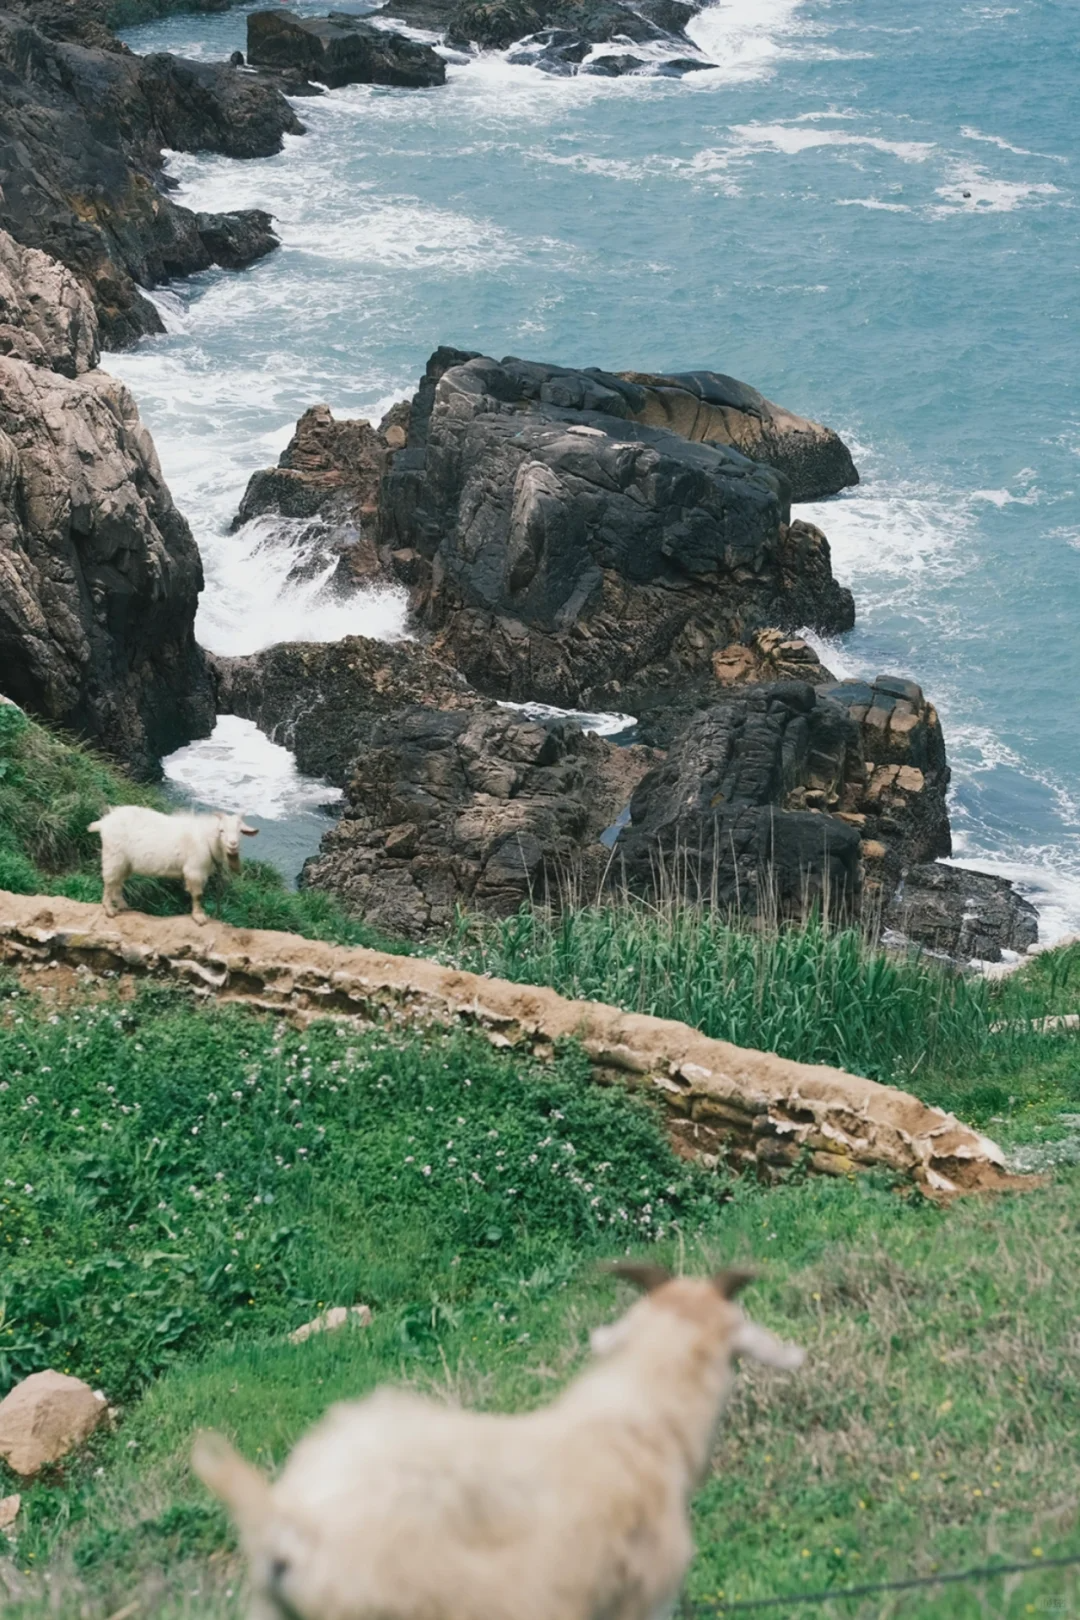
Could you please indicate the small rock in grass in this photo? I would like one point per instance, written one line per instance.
(336, 1317)
(44, 1417)
(9, 1510)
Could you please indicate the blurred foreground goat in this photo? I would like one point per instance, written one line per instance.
(398, 1508)
(134, 839)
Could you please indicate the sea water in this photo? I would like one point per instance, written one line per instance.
(867, 211)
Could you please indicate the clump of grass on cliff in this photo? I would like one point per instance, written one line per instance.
(183, 1185)
(52, 787)
(813, 992)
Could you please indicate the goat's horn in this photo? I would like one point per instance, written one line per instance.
(640, 1273)
(729, 1282)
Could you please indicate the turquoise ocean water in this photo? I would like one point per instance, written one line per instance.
(868, 211)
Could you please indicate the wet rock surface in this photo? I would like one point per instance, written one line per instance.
(330, 471)
(557, 36)
(99, 574)
(569, 550)
(708, 408)
(322, 700)
(965, 915)
(782, 794)
(340, 49)
(84, 126)
(477, 807)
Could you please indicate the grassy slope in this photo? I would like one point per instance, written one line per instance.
(935, 1424)
(51, 788)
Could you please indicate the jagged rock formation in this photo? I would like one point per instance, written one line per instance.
(340, 49)
(965, 915)
(46, 315)
(707, 408)
(99, 574)
(565, 549)
(557, 36)
(83, 129)
(476, 807)
(330, 471)
(323, 700)
(784, 794)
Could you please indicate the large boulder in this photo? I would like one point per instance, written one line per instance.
(709, 408)
(328, 476)
(781, 794)
(99, 574)
(44, 1417)
(572, 550)
(477, 807)
(340, 49)
(962, 914)
(84, 130)
(322, 700)
(46, 315)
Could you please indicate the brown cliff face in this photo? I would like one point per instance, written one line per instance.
(99, 574)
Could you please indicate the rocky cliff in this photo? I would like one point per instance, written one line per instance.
(569, 551)
(83, 128)
(99, 574)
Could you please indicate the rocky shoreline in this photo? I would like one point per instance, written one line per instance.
(572, 537)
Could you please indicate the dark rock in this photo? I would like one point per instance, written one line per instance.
(236, 59)
(901, 810)
(574, 549)
(476, 807)
(340, 49)
(99, 574)
(322, 701)
(497, 24)
(613, 67)
(83, 130)
(760, 658)
(779, 792)
(965, 915)
(725, 818)
(709, 408)
(236, 240)
(330, 471)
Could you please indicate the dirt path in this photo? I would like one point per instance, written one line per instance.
(752, 1108)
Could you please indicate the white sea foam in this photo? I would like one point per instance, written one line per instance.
(875, 203)
(239, 769)
(970, 134)
(792, 139)
(600, 723)
(250, 601)
(972, 190)
(745, 38)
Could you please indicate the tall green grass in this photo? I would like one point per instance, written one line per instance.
(814, 992)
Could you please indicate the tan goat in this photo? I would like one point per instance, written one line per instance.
(399, 1508)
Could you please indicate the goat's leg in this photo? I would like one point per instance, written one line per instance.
(194, 883)
(114, 874)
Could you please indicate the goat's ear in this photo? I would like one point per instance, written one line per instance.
(644, 1276)
(761, 1345)
(249, 832)
(728, 1283)
(245, 1492)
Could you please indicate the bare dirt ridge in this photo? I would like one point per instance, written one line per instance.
(752, 1108)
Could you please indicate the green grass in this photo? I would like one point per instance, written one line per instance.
(814, 993)
(52, 787)
(935, 1424)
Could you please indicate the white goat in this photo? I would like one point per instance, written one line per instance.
(399, 1508)
(134, 839)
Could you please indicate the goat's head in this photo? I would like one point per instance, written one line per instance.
(230, 830)
(275, 1547)
(706, 1305)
